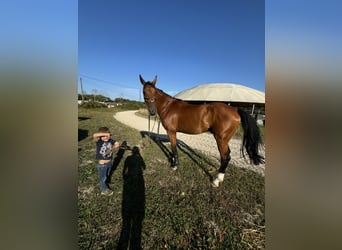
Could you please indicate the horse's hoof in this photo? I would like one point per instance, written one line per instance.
(215, 183)
(174, 168)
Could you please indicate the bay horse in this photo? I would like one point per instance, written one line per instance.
(220, 119)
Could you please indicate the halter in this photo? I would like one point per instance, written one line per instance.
(150, 100)
(153, 98)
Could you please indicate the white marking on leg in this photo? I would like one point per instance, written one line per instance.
(220, 177)
(216, 182)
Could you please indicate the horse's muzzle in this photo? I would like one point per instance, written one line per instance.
(152, 111)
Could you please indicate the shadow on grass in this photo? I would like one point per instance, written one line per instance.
(133, 201)
(198, 159)
(116, 163)
(82, 118)
(82, 134)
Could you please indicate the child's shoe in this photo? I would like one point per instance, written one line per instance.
(107, 192)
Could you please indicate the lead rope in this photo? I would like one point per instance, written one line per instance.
(154, 123)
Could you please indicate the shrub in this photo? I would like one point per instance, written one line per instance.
(92, 105)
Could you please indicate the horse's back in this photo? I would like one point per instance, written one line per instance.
(220, 108)
(190, 118)
(224, 115)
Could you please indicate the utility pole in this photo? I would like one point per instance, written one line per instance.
(82, 92)
(94, 93)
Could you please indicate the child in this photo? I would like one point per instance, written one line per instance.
(104, 155)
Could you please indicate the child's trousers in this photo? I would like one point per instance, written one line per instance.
(104, 171)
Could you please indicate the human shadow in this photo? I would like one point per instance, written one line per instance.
(198, 159)
(117, 160)
(133, 201)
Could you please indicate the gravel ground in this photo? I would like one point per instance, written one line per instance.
(204, 142)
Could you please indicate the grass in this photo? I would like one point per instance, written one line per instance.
(168, 209)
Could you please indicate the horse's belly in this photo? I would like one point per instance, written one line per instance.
(194, 128)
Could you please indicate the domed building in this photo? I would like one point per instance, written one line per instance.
(233, 94)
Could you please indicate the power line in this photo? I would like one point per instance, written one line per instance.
(98, 82)
(105, 81)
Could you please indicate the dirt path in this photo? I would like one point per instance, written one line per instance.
(204, 142)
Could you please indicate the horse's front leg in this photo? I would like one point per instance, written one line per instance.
(174, 154)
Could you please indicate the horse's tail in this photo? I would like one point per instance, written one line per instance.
(251, 138)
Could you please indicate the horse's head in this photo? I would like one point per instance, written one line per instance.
(150, 91)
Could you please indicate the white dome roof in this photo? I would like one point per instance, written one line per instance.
(226, 92)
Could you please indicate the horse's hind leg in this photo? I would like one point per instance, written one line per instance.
(224, 163)
(225, 158)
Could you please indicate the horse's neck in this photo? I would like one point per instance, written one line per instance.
(163, 102)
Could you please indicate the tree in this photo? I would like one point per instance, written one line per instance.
(94, 92)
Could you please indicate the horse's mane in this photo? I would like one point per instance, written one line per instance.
(162, 92)
(174, 98)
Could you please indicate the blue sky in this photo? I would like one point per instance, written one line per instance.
(185, 43)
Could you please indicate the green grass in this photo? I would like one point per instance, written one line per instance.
(176, 209)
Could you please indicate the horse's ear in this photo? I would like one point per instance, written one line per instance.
(154, 80)
(142, 80)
